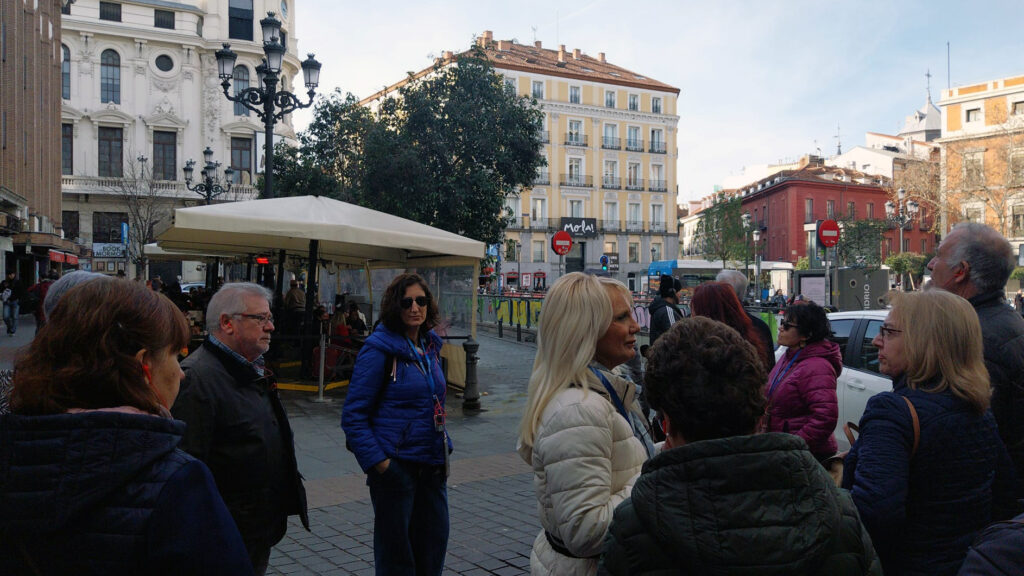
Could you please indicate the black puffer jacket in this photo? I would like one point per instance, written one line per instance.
(659, 311)
(1002, 331)
(744, 505)
(238, 427)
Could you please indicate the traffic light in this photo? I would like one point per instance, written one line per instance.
(604, 262)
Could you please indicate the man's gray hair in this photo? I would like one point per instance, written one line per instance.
(987, 251)
(67, 282)
(230, 299)
(736, 279)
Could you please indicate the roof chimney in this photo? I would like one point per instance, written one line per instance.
(503, 45)
(536, 43)
(561, 52)
(600, 56)
(576, 54)
(488, 35)
(484, 39)
(448, 55)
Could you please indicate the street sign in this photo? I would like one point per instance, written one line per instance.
(828, 233)
(561, 242)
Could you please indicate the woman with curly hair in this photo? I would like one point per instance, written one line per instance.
(718, 301)
(718, 498)
(92, 479)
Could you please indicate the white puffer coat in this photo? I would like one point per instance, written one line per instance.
(585, 459)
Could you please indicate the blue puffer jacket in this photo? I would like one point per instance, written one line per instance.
(923, 513)
(109, 493)
(389, 409)
(998, 551)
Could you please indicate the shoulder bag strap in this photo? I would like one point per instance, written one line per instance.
(917, 426)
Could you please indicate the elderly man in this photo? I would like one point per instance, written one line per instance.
(974, 261)
(236, 423)
(738, 281)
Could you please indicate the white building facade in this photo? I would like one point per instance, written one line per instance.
(141, 96)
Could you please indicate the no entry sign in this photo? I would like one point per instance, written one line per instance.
(828, 233)
(561, 242)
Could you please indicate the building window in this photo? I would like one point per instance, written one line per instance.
(538, 89)
(510, 85)
(634, 102)
(974, 170)
(1018, 220)
(657, 214)
(808, 210)
(110, 77)
(611, 213)
(240, 79)
(609, 99)
(538, 251)
(830, 209)
(240, 19)
(574, 94)
(1016, 176)
(65, 72)
(633, 175)
(871, 210)
(924, 246)
(111, 141)
(106, 227)
(611, 137)
(1018, 108)
(538, 210)
(165, 155)
(164, 63)
(576, 208)
(611, 247)
(633, 140)
(657, 141)
(906, 244)
(851, 210)
(67, 143)
(163, 19)
(656, 105)
(974, 114)
(575, 136)
(633, 214)
(241, 158)
(69, 221)
(634, 252)
(110, 11)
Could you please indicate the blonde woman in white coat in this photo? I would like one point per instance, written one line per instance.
(582, 431)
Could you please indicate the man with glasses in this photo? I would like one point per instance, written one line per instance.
(236, 423)
(974, 262)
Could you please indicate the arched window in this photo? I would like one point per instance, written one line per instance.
(110, 77)
(65, 72)
(240, 79)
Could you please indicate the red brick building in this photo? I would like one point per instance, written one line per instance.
(786, 207)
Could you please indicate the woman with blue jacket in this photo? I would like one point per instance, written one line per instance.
(929, 470)
(394, 424)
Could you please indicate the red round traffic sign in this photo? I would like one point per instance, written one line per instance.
(561, 242)
(828, 233)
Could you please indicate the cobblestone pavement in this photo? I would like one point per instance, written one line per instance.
(490, 492)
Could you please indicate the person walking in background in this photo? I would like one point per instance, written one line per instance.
(236, 423)
(720, 301)
(582, 430)
(801, 389)
(929, 469)
(11, 292)
(295, 307)
(664, 310)
(39, 291)
(718, 498)
(974, 262)
(356, 321)
(739, 284)
(93, 481)
(394, 423)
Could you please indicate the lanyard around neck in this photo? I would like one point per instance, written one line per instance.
(423, 361)
(611, 392)
(780, 375)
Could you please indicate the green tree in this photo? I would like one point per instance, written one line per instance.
(720, 229)
(909, 263)
(802, 263)
(1017, 274)
(860, 242)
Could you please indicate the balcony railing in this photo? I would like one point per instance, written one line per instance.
(161, 188)
(545, 136)
(611, 143)
(515, 223)
(10, 223)
(657, 227)
(657, 186)
(657, 148)
(539, 223)
(578, 180)
(636, 145)
(611, 225)
(632, 226)
(542, 178)
(575, 139)
(611, 182)
(634, 183)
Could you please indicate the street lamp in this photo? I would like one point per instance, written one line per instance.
(519, 264)
(746, 253)
(757, 264)
(269, 103)
(209, 187)
(901, 214)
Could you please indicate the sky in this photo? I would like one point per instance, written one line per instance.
(761, 82)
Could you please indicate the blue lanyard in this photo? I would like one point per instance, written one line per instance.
(780, 375)
(615, 396)
(423, 361)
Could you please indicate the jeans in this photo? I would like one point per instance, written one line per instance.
(410, 524)
(11, 310)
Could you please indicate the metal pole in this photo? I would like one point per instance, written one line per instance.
(471, 396)
(305, 345)
(323, 360)
(268, 128)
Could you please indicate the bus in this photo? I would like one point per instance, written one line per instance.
(691, 273)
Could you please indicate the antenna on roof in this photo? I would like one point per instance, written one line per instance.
(839, 141)
(558, 38)
(928, 83)
(534, 28)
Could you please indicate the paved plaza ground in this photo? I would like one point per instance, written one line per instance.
(490, 491)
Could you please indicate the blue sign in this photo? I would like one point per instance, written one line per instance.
(124, 232)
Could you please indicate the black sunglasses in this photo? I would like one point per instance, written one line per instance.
(421, 301)
(787, 325)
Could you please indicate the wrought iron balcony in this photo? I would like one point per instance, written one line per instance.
(575, 139)
(542, 178)
(657, 186)
(10, 223)
(545, 136)
(611, 182)
(636, 226)
(578, 180)
(657, 148)
(611, 143)
(634, 183)
(515, 223)
(635, 145)
(657, 227)
(539, 223)
(611, 225)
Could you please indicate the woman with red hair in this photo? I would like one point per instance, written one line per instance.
(718, 301)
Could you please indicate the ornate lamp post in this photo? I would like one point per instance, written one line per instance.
(209, 186)
(269, 103)
(757, 264)
(901, 214)
(745, 218)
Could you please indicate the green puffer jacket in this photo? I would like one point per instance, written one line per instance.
(739, 506)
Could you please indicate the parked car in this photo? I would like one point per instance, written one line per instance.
(188, 286)
(860, 379)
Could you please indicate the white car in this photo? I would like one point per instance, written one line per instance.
(860, 379)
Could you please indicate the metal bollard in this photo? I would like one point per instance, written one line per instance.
(519, 332)
(471, 396)
(499, 328)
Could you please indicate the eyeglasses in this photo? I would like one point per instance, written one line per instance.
(261, 319)
(787, 325)
(887, 332)
(420, 301)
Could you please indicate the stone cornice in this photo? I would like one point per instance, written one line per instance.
(602, 113)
